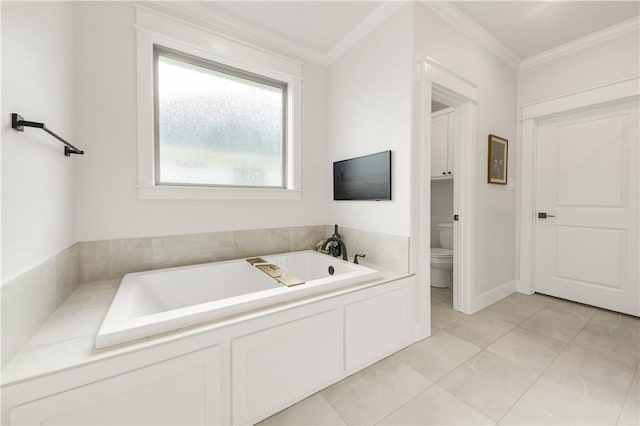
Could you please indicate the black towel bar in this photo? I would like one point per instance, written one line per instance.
(18, 123)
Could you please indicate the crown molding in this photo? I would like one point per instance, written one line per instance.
(472, 29)
(616, 30)
(371, 22)
(228, 26)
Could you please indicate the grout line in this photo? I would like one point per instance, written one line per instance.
(410, 399)
(477, 354)
(434, 384)
(538, 310)
(473, 408)
(547, 367)
(484, 349)
(567, 344)
(602, 354)
(544, 335)
(626, 395)
(531, 385)
(563, 350)
(501, 335)
(431, 383)
(331, 406)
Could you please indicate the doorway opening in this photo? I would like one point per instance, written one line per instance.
(457, 96)
(441, 212)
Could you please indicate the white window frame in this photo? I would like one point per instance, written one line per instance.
(156, 28)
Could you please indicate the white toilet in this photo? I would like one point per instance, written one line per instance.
(442, 257)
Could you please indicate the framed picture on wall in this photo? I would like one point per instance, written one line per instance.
(498, 155)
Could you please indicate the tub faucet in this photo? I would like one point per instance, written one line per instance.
(343, 248)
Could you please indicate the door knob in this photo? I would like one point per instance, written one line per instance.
(544, 215)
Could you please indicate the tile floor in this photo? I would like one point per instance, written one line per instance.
(524, 360)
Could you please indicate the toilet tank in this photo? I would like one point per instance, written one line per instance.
(445, 235)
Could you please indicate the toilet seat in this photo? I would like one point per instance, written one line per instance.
(438, 252)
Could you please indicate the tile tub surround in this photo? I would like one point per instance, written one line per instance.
(519, 374)
(390, 251)
(112, 259)
(29, 299)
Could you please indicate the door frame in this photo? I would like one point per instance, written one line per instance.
(440, 83)
(530, 114)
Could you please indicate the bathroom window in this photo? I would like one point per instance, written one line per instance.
(216, 125)
(217, 118)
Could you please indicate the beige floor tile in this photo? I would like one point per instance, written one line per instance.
(580, 387)
(443, 315)
(578, 309)
(442, 295)
(437, 355)
(527, 349)
(612, 334)
(435, 406)
(480, 331)
(560, 320)
(314, 410)
(630, 414)
(536, 300)
(515, 308)
(488, 383)
(375, 392)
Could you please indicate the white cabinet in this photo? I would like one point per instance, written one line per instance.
(377, 327)
(442, 143)
(237, 374)
(279, 366)
(182, 390)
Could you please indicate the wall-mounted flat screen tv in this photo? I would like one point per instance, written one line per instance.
(363, 178)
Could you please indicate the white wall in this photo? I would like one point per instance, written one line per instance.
(369, 110)
(108, 205)
(496, 114)
(38, 181)
(370, 97)
(611, 60)
(441, 206)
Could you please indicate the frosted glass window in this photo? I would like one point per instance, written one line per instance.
(217, 125)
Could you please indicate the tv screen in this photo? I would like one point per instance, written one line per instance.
(363, 178)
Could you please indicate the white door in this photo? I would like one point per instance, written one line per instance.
(588, 184)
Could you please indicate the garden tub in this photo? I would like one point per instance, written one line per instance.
(154, 302)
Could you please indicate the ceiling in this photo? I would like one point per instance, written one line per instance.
(531, 27)
(526, 28)
(319, 25)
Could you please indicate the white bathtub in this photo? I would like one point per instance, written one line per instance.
(154, 302)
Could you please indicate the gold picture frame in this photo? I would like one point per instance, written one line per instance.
(498, 159)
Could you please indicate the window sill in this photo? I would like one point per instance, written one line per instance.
(166, 192)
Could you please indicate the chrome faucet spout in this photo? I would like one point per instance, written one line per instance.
(343, 247)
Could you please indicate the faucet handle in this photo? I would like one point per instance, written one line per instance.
(355, 258)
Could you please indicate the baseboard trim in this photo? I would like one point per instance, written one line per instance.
(492, 296)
